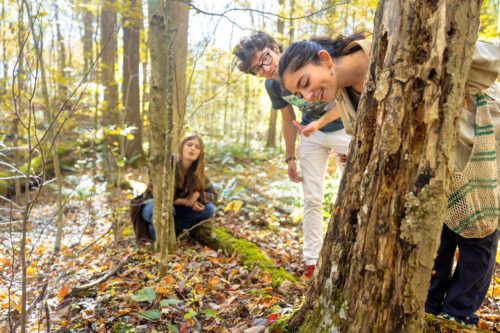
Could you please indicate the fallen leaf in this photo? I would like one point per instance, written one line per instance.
(169, 301)
(144, 295)
(169, 279)
(491, 317)
(231, 299)
(199, 290)
(151, 315)
(234, 206)
(272, 317)
(484, 325)
(31, 270)
(163, 290)
(213, 281)
(63, 292)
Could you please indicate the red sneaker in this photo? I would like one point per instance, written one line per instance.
(309, 271)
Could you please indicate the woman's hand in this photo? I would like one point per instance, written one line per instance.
(192, 199)
(293, 174)
(198, 207)
(310, 128)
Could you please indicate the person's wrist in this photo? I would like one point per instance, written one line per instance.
(290, 158)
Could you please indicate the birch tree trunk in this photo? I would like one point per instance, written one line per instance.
(377, 258)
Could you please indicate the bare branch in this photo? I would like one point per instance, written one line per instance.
(223, 14)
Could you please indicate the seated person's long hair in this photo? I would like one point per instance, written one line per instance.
(194, 177)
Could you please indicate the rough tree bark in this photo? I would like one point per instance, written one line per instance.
(161, 119)
(88, 19)
(167, 230)
(107, 69)
(132, 25)
(378, 254)
(229, 78)
(157, 101)
(180, 23)
(273, 118)
(291, 29)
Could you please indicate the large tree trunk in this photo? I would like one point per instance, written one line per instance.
(161, 119)
(53, 143)
(291, 29)
(273, 118)
(157, 102)
(271, 132)
(88, 28)
(180, 22)
(109, 109)
(132, 25)
(107, 68)
(377, 258)
(167, 230)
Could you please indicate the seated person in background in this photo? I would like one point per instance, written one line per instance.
(194, 194)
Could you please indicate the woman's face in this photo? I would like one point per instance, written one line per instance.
(191, 150)
(313, 82)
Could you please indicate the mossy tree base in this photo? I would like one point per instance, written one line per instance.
(432, 325)
(249, 253)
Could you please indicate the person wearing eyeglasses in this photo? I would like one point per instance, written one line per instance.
(321, 133)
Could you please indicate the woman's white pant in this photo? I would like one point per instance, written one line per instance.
(313, 152)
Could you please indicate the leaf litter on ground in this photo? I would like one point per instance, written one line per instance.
(203, 291)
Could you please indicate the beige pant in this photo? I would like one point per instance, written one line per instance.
(313, 152)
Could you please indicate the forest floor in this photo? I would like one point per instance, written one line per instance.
(204, 290)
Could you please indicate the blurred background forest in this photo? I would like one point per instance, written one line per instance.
(75, 89)
(92, 72)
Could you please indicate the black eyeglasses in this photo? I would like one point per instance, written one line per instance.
(265, 60)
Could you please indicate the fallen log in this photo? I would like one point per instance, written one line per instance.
(249, 253)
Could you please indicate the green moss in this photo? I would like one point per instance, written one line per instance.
(251, 255)
(259, 292)
(121, 327)
(63, 151)
(281, 325)
(435, 324)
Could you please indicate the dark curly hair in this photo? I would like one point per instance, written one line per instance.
(301, 53)
(249, 46)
